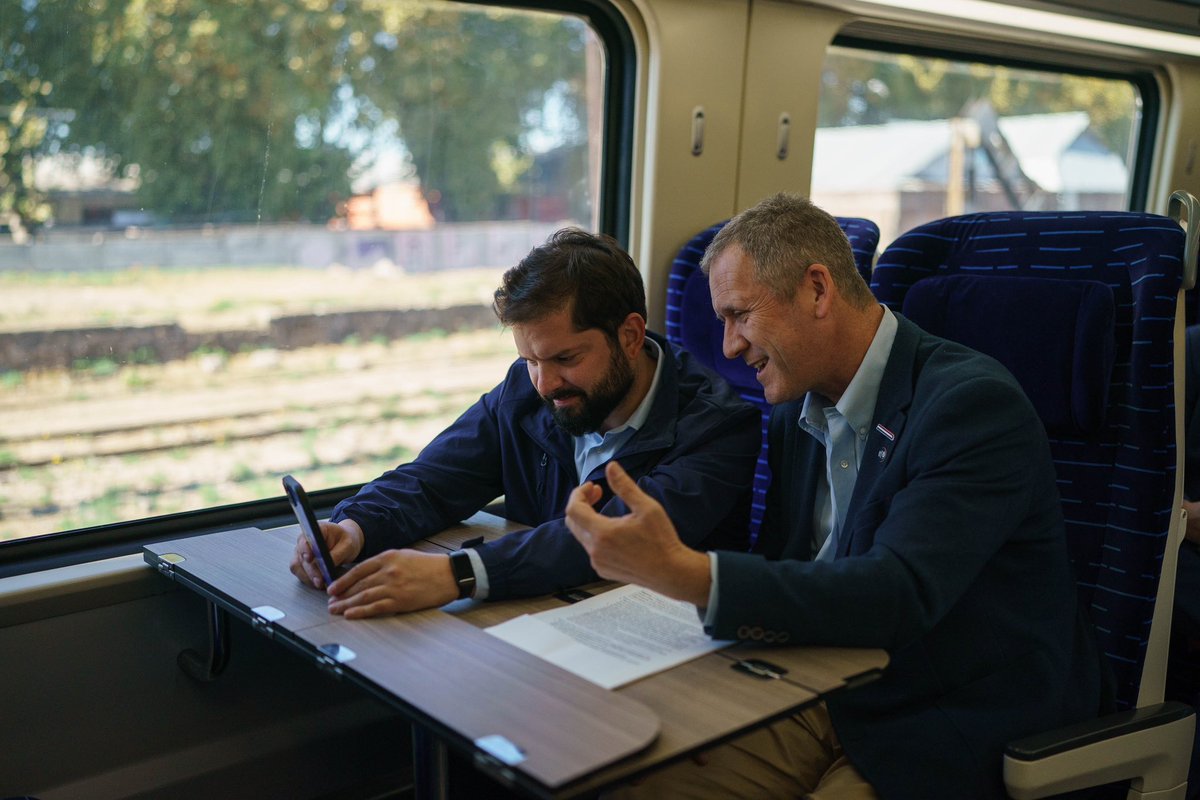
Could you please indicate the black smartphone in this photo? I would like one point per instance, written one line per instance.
(312, 531)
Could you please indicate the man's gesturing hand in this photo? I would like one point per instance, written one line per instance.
(641, 547)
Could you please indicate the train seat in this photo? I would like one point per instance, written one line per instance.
(692, 325)
(1081, 307)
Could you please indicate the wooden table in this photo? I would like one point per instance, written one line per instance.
(462, 686)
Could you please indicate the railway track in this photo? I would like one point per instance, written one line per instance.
(78, 450)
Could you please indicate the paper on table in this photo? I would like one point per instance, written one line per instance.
(613, 638)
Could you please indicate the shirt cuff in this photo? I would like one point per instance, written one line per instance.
(481, 576)
(710, 613)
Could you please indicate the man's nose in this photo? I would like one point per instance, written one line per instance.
(732, 343)
(547, 380)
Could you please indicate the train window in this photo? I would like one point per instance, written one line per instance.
(242, 240)
(903, 139)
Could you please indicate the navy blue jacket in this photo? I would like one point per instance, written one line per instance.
(953, 558)
(695, 454)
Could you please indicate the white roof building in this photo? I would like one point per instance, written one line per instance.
(896, 174)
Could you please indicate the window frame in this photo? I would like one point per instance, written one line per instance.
(1143, 78)
(65, 548)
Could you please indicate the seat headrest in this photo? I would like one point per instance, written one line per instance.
(1055, 336)
(701, 334)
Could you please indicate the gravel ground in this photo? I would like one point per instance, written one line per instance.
(83, 448)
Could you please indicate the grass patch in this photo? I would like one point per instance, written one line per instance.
(97, 367)
(242, 473)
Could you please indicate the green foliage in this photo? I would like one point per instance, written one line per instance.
(256, 111)
(97, 367)
(137, 382)
(430, 335)
(465, 87)
(25, 118)
(144, 355)
(242, 473)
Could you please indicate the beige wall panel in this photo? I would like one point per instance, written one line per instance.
(695, 58)
(783, 75)
(1180, 142)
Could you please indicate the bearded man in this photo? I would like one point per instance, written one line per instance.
(591, 385)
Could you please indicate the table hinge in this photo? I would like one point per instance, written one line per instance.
(166, 562)
(493, 767)
(263, 626)
(261, 618)
(331, 656)
(329, 665)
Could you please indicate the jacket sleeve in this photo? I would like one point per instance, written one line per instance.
(453, 477)
(970, 485)
(703, 482)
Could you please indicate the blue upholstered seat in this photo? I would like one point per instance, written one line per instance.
(1064, 361)
(692, 325)
(1096, 355)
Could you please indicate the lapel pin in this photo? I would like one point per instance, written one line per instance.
(887, 434)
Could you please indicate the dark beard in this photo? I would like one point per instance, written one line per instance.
(598, 403)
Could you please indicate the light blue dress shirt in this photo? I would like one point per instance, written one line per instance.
(843, 429)
(591, 450)
(594, 449)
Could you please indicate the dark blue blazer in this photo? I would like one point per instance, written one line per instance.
(953, 558)
(695, 453)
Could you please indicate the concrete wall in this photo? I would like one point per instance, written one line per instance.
(483, 244)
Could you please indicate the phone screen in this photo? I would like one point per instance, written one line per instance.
(310, 528)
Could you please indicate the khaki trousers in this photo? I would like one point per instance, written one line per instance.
(799, 757)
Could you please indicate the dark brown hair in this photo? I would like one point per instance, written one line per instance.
(589, 272)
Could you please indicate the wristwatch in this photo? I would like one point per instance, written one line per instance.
(464, 573)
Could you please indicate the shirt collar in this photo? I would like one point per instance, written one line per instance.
(638, 417)
(857, 404)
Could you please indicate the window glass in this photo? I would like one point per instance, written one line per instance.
(244, 239)
(905, 139)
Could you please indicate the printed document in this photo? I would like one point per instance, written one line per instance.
(613, 638)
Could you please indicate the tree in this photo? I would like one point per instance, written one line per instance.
(866, 88)
(466, 88)
(25, 120)
(257, 110)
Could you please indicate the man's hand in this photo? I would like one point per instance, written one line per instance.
(345, 542)
(391, 582)
(641, 547)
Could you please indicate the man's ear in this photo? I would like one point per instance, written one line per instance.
(823, 289)
(631, 334)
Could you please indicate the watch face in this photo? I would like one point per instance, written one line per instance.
(464, 573)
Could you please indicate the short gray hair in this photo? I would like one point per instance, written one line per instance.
(785, 234)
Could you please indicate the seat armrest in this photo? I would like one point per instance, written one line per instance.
(1151, 746)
